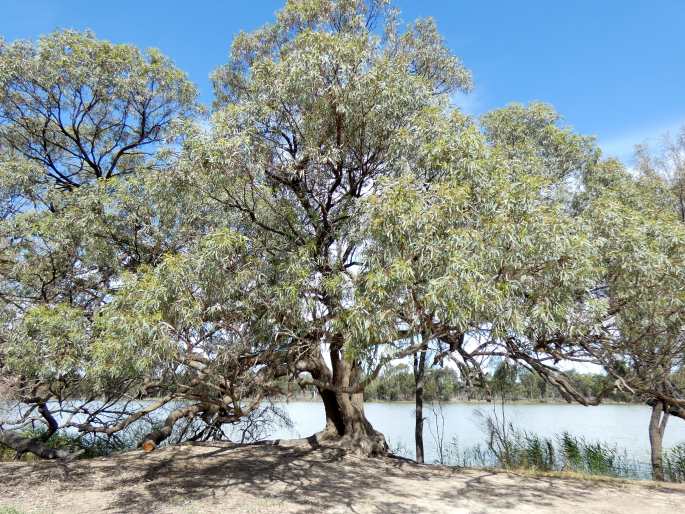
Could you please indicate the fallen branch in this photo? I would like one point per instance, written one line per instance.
(35, 445)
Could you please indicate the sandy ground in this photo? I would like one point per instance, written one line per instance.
(219, 478)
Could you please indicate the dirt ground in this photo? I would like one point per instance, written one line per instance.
(220, 478)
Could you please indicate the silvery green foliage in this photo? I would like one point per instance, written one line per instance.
(82, 108)
(489, 249)
(641, 247)
(667, 165)
(312, 113)
(379, 206)
(89, 189)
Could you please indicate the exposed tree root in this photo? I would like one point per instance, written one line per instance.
(367, 445)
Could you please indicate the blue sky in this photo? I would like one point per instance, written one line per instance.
(614, 68)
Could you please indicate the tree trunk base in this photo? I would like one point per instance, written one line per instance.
(371, 444)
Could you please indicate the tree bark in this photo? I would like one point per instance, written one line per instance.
(154, 438)
(657, 427)
(419, 374)
(346, 423)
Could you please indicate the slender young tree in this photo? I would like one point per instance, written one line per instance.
(419, 368)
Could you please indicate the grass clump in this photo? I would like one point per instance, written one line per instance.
(674, 464)
(512, 448)
(9, 510)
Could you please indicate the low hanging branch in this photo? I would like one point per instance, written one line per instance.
(554, 376)
(152, 440)
(112, 429)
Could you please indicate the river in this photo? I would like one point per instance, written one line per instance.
(624, 426)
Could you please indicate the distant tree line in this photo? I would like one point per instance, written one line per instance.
(508, 382)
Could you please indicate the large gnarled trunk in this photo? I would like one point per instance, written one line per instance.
(346, 424)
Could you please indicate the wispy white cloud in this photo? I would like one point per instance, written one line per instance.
(622, 146)
(469, 103)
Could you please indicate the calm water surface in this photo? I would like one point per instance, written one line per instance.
(622, 425)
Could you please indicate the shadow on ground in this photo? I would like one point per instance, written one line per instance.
(203, 477)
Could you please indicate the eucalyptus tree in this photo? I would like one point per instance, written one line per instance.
(112, 290)
(667, 164)
(379, 219)
(336, 213)
(641, 246)
(82, 109)
(85, 134)
(312, 112)
(662, 185)
(635, 223)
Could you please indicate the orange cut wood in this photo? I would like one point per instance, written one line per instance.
(148, 446)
